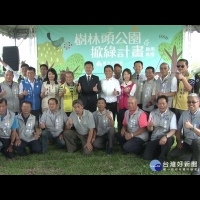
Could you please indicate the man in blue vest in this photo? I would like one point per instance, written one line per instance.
(29, 90)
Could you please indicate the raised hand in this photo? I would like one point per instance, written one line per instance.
(108, 114)
(95, 89)
(44, 90)
(159, 94)
(127, 89)
(64, 91)
(151, 124)
(25, 92)
(115, 92)
(187, 124)
(69, 121)
(79, 87)
(179, 76)
(3, 92)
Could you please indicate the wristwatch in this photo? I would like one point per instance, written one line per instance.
(192, 129)
(166, 136)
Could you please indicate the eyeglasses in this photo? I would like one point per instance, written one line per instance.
(193, 102)
(182, 66)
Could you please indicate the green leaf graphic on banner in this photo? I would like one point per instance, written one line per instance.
(171, 52)
(50, 54)
(75, 63)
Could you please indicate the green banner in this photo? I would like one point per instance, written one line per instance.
(67, 47)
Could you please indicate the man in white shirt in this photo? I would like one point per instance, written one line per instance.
(110, 90)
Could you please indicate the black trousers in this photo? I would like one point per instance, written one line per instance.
(188, 152)
(34, 146)
(113, 108)
(135, 145)
(100, 141)
(155, 151)
(91, 106)
(37, 114)
(120, 118)
(6, 144)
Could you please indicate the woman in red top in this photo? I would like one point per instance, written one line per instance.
(128, 88)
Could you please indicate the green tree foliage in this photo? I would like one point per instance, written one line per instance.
(75, 63)
(50, 54)
(171, 52)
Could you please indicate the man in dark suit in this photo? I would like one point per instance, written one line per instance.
(88, 87)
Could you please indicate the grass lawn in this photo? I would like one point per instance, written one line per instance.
(59, 162)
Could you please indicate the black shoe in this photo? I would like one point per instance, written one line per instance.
(109, 151)
(196, 172)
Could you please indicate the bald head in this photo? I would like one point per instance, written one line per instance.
(9, 76)
(132, 99)
(132, 103)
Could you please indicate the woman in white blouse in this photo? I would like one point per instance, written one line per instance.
(49, 88)
(110, 90)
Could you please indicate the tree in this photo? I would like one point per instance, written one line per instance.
(172, 52)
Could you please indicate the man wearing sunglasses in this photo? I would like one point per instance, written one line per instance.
(190, 147)
(185, 84)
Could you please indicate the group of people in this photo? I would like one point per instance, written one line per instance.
(151, 113)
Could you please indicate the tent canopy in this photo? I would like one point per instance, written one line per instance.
(26, 31)
(17, 31)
